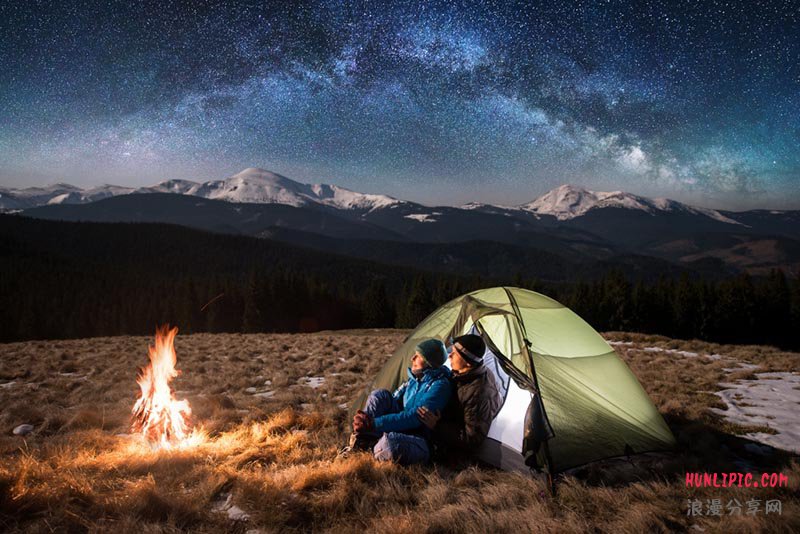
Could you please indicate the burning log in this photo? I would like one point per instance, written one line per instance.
(161, 419)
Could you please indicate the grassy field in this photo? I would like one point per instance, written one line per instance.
(273, 410)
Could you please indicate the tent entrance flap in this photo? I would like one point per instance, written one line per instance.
(520, 376)
(536, 434)
(536, 451)
(536, 429)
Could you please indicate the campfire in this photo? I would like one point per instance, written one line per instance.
(161, 419)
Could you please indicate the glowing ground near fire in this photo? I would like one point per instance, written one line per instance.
(271, 410)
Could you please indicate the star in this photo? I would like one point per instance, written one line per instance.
(400, 97)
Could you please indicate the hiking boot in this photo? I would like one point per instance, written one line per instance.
(357, 443)
(362, 442)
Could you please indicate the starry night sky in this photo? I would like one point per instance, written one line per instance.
(438, 102)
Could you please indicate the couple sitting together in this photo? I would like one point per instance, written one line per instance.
(437, 413)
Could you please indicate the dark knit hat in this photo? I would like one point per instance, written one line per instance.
(471, 347)
(433, 351)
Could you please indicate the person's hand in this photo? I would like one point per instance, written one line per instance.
(428, 417)
(362, 421)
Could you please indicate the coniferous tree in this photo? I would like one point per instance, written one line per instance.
(773, 317)
(213, 310)
(251, 315)
(686, 307)
(579, 300)
(417, 305)
(26, 322)
(736, 310)
(58, 282)
(615, 303)
(794, 327)
(661, 306)
(518, 280)
(441, 291)
(640, 306)
(376, 310)
(707, 314)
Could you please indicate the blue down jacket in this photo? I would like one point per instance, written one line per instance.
(432, 391)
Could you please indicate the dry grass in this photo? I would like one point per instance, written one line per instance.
(275, 454)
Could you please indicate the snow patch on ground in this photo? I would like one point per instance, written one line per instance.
(225, 505)
(8, 385)
(312, 381)
(684, 353)
(23, 430)
(76, 376)
(735, 365)
(264, 393)
(741, 366)
(772, 400)
(421, 217)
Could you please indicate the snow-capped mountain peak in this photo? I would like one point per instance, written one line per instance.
(255, 186)
(339, 197)
(60, 193)
(260, 186)
(475, 206)
(568, 201)
(180, 187)
(34, 193)
(82, 196)
(251, 186)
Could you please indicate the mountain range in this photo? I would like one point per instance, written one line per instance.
(569, 227)
(252, 186)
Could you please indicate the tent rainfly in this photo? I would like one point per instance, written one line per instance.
(568, 398)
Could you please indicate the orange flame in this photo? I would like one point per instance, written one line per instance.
(162, 420)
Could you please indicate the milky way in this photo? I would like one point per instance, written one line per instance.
(439, 102)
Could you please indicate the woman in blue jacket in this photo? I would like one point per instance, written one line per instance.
(391, 418)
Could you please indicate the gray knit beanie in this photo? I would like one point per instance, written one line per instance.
(433, 351)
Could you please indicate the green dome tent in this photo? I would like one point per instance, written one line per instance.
(568, 398)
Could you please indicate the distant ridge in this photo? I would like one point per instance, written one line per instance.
(570, 221)
(259, 186)
(568, 201)
(251, 186)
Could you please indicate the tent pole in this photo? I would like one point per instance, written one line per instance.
(527, 344)
(551, 479)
